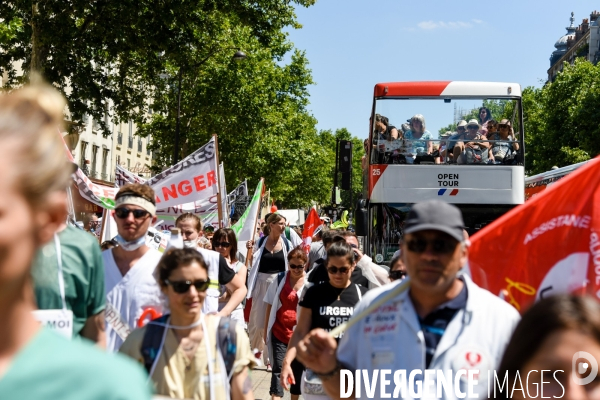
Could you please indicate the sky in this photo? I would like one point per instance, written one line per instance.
(353, 44)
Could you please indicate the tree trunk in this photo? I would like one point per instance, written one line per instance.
(36, 67)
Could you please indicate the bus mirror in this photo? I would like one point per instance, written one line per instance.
(361, 218)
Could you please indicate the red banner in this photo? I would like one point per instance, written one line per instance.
(310, 224)
(549, 245)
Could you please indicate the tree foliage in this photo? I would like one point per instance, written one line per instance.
(561, 119)
(106, 56)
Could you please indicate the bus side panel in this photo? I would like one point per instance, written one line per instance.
(465, 184)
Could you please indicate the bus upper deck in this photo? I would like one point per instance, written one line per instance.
(459, 142)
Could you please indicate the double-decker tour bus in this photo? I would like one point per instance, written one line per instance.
(430, 140)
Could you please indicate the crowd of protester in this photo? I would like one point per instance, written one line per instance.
(174, 321)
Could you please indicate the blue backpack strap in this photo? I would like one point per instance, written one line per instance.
(151, 342)
(227, 342)
(261, 241)
(280, 277)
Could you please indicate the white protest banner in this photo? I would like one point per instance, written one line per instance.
(194, 178)
(123, 176)
(103, 196)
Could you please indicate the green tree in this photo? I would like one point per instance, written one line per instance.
(107, 56)
(561, 119)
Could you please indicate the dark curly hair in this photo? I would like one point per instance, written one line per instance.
(175, 258)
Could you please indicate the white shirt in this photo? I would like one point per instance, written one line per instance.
(129, 295)
(391, 338)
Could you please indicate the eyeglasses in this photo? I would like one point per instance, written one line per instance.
(123, 213)
(183, 286)
(395, 275)
(439, 246)
(354, 246)
(221, 244)
(335, 270)
(298, 266)
(503, 126)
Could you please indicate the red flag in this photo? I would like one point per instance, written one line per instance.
(312, 222)
(549, 245)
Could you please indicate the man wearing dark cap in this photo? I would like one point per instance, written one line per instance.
(442, 322)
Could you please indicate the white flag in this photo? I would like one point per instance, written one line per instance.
(244, 228)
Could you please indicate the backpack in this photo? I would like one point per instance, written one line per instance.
(226, 342)
(287, 242)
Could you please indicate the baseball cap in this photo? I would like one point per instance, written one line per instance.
(435, 215)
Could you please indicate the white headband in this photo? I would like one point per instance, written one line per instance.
(136, 201)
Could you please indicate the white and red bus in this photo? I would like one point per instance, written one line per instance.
(468, 169)
(538, 183)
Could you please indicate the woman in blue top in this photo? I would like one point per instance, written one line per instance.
(418, 131)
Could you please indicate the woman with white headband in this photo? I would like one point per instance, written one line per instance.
(187, 353)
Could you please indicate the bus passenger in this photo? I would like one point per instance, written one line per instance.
(500, 150)
(467, 152)
(383, 129)
(484, 117)
(419, 131)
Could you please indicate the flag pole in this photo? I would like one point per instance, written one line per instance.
(219, 205)
(258, 210)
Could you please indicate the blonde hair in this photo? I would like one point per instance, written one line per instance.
(33, 116)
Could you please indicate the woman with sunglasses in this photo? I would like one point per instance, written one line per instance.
(269, 259)
(325, 305)
(182, 350)
(36, 363)
(506, 143)
(224, 242)
(282, 302)
(397, 269)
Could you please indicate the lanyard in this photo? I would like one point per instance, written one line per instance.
(61, 281)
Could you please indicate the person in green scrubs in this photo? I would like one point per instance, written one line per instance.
(35, 362)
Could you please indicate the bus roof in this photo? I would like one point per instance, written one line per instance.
(447, 88)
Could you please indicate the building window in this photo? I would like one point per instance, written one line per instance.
(148, 147)
(118, 159)
(82, 154)
(94, 161)
(119, 138)
(139, 144)
(104, 164)
(128, 164)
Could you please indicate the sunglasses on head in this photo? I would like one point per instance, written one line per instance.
(183, 286)
(123, 212)
(296, 266)
(397, 274)
(439, 246)
(335, 270)
(221, 244)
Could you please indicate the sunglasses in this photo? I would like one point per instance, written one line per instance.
(298, 266)
(335, 270)
(183, 286)
(439, 246)
(472, 127)
(503, 126)
(461, 128)
(123, 213)
(221, 244)
(397, 274)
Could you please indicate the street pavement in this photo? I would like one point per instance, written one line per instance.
(261, 382)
